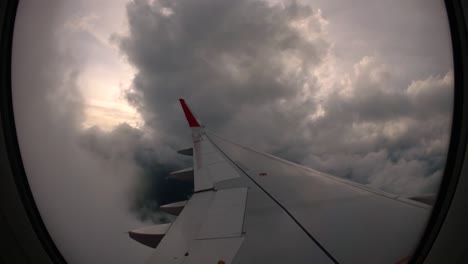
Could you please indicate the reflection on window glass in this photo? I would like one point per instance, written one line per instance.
(362, 91)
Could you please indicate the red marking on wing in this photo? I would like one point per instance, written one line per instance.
(188, 114)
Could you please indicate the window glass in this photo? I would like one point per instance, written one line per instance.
(362, 90)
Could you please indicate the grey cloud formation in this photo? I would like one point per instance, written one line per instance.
(82, 200)
(125, 144)
(231, 53)
(407, 34)
(268, 76)
(394, 139)
(249, 70)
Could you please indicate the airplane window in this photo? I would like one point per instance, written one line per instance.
(353, 99)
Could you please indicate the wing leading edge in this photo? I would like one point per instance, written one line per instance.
(251, 207)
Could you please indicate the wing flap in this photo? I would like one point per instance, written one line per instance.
(209, 218)
(225, 215)
(178, 239)
(214, 250)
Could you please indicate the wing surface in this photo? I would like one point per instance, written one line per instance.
(251, 207)
(352, 222)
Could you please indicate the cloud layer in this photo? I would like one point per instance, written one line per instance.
(267, 75)
(82, 200)
(152, 163)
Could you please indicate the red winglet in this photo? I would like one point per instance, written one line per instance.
(188, 114)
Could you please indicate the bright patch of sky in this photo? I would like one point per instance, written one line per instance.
(105, 74)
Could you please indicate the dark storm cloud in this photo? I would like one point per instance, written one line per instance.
(151, 188)
(246, 67)
(228, 53)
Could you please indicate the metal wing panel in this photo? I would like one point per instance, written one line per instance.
(222, 171)
(270, 235)
(292, 214)
(202, 179)
(212, 158)
(347, 219)
(178, 238)
(214, 250)
(210, 165)
(220, 222)
(225, 215)
(209, 228)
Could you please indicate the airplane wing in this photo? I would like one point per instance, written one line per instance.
(251, 207)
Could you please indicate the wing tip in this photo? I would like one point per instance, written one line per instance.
(192, 121)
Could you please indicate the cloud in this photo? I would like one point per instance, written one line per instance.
(267, 75)
(82, 200)
(241, 54)
(152, 163)
(393, 138)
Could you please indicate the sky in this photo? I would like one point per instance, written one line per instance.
(360, 90)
